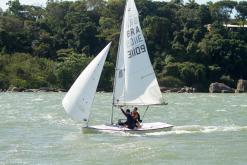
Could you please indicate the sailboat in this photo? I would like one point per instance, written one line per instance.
(135, 83)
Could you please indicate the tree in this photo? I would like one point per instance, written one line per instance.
(242, 11)
(15, 8)
(223, 10)
(188, 73)
(157, 31)
(70, 69)
(25, 71)
(95, 4)
(228, 54)
(179, 2)
(1, 11)
(70, 34)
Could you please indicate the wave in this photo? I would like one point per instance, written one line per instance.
(187, 129)
(220, 110)
(193, 129)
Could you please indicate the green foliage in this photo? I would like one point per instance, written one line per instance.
(227, 80)
(214, 72)
(157, 29)
(106, 79)
(51, 46)
(242, 11)
(189, 73)
(222, 10)
(170, 81)
(70, 68)
(22, 70)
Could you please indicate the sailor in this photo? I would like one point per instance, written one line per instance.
(130, 123)
(136, 116)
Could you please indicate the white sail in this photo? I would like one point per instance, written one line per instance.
(135, 81)
(78, 101)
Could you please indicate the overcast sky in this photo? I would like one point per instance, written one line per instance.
(43, 2)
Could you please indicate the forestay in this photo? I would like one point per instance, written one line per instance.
(135, 80)
(78, 101)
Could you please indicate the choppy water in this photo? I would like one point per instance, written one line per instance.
(209, 129)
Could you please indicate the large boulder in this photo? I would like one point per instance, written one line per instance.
(220, 88)
(241, 86)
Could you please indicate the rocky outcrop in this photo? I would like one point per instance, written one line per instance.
(187, 90)
(15, 89)
(241, 86)
(43, 89)
(178, 90)
(168, 90)
(47, 89)
(31, 90)
(220, 88)
(60, 90)
(3, 90)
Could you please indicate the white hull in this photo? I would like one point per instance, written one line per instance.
(146, 128)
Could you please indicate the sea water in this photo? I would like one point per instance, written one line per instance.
(209, 129)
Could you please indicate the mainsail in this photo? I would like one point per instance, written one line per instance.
(135, 80)
(78, 101)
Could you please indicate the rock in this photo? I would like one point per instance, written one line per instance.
(187, 90)
(59, 90)
(241, 86)
(168, 90)
(46, 89)
(220, 88)
(178, 90)
(31, 90)
(15, 89)
(42, 89)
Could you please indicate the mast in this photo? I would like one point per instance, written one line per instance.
(116, 66)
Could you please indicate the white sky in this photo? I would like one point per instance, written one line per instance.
(43, 2)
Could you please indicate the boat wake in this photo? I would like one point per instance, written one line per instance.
(193, 129)
(179, 130)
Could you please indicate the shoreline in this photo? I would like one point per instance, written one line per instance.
(64, 91)
(33, 90)
(213, 88)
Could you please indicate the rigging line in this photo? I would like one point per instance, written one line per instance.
(145, 113)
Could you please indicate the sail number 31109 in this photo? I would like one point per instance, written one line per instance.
(136, 51)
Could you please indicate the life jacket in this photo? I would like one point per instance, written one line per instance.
(134, 115)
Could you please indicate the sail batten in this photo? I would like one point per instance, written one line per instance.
(135, 80)
(78, 100)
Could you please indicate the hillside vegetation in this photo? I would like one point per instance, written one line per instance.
(188, 43)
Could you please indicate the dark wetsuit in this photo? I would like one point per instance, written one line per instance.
(130, 121)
